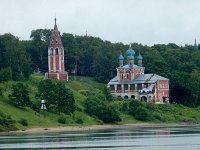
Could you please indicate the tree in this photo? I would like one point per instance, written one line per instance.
(107, 94)
(103, 110)
(57, 96)
(20, 95)
(5, 74)
(46, 91)
(14, 56)
(38, 48)
(64, 101)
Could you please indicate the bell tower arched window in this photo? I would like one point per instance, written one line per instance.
(56, 52)
(51, 51)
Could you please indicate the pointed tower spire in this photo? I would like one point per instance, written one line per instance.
(55, 25)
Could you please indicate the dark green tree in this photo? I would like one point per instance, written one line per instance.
(5, 74)
(103, 110)
(64, 99)
(20, 95)
(14, 56)
(46, 91)
(57, 96)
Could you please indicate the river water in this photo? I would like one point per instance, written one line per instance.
(131, 138)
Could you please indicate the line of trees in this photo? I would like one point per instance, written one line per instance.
(98, 58)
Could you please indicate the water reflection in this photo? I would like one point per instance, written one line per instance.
(164, 137)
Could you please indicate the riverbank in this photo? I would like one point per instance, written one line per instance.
(81, 128)
(92, 128)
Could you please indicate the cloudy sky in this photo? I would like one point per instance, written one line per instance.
(144, 21)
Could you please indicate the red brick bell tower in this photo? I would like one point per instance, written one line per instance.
(56, 57)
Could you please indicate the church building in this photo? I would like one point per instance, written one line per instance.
(56, 65)
(132, 83)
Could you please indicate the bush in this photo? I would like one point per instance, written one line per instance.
(84, 92)
(6, 121)
(109, 113)
(141, 113)
(103, 110)
(35, 106)
(124, 107)
(5, 74)
(62, 119)
(79, 120)
(157, 116)
(23, 122)
(133, 105)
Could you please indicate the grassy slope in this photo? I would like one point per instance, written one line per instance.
(44, 119)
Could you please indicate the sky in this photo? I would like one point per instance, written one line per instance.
(147, 22)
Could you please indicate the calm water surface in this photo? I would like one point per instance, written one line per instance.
(133, 138)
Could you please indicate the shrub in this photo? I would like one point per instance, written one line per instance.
(109, 113)
(157, 116)
(23, 122)
(141, 113)
(133, 105)
(79, 120)
(107, 93)
(124, 107)
(62, 119)
(103, 110)
(6, 121)
(84, 92)
(5, 74)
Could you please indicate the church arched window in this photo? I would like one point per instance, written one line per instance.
(51, 51)
(56, 52)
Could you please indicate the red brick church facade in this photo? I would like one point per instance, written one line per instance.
(132, 83)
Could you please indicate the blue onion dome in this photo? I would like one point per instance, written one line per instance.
(140, 57)
(121, 57)
(130, 52)
(131, 57)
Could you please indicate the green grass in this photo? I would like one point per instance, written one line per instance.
(171, 113)
(47, 119)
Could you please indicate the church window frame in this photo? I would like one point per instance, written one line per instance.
(127, 76)
(51, 51)
(126, 87)
(56, 50)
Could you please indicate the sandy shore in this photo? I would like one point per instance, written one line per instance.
(93, 127)
(81, 128)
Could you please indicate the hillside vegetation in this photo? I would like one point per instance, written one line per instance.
(12, 118)
(87, 99)
(97, 58)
